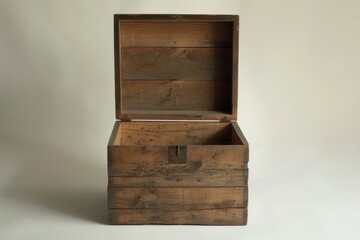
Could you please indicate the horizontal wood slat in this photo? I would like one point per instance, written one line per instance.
(176, 63)
(176, 114)
(176, 34)
(179, 198)
(176, 95)
(139, 161)
(238, 179)
(176, 17)
(227, 216)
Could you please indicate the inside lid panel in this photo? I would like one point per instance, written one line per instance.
(176, 66)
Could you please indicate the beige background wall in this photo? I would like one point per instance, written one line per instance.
(298, 106)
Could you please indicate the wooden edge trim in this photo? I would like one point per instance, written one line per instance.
(176, 17)
(245, 216)
(246, 195)
(240, 134)
(111, 145)
(235, 67)
(139, 116)
(117, 66)
(113, 133)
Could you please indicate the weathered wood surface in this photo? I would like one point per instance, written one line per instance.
(176, 48)
(235, 68)
(176, 63)
(237, 133)
(175, 133)
(227, 216)
(115, 135)
(153, 160)
(176, 17)
(176, 34)
(176, 95)
(240, 178)
(141, 157)
(179, 198)
(177, 67)
(176, 114)
(205, 166)
(228, 157)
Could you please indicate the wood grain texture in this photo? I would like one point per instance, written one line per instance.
(239, 133)
(175, 133)
(141, 159)
(176, 34)
(235, 139)
(205, 166)
(235, 67)
(177, 47)
(238, 137)
(115, 135)
(178, 198)
(176, 63)
(240, 178)
(227, 216)
(117, 59)
(176, 115)
(152, 161)
(177, 67)
(176, 17)
(176, 95)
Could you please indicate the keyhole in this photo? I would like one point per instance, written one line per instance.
(177, 150)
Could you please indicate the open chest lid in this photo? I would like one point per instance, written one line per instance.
(178, 67)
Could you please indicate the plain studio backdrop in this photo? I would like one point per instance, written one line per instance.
(299, 95)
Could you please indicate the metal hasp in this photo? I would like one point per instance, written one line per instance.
(177, 154)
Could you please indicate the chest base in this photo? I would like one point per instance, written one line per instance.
(177, 173)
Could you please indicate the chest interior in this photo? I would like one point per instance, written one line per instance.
(176, 133)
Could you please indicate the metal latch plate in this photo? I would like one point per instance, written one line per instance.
(177, 154)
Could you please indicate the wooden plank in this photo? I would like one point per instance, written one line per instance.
(148, 166)
(176, 95)
(175, 133)
(178, 198)
(175, 17)
(235, 67)
(176, 34)
(117, 63)
(115, 135)
(153, 160)
(238, 179)
(239, 133)
(114, 139)
(176, 63)
(238, 136)
(177, 114)
(235, 139)
(227, 216)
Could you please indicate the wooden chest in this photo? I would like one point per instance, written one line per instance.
(177, 155)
